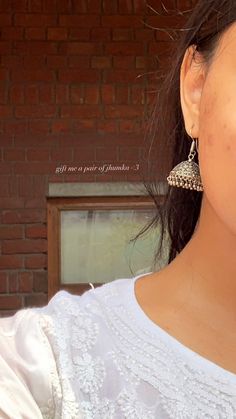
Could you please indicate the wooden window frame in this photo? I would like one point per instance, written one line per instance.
(55, 205)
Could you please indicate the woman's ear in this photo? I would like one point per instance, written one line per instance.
(192, 77)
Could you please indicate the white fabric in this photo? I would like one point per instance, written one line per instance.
(98, 356)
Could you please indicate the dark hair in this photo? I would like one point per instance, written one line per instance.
(178, 213)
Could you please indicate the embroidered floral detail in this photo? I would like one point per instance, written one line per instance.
(90, 372)
(103, 408)
(131, 407)
(84, 333)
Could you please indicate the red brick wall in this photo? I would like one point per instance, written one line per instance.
(72, 91)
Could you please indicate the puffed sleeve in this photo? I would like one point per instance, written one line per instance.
(27, 366)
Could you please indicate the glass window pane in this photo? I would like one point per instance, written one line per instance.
(95, 245)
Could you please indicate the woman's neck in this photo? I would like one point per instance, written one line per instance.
(210, 257)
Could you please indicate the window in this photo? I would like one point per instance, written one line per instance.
(89, 239)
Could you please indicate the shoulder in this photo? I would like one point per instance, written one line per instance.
(113, 291)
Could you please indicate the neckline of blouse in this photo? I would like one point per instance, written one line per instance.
(190, 355)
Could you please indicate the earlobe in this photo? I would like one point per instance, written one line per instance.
(191, 85)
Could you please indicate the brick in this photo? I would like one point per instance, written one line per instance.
(12, 33)
(34, 62)
(36, 168)
(106, 154)
(110, 6)
(61, 154)
(101, 62)
(125, 6)
(108, 93)
(11, 232)
(94, 6)
(11, 262)
(164, 21)
(129, 126)
(77, 94)
(80, 48)
(123, 111)
(40, 281)
(25, 185)
(12, 61)
(4, 186)
(137, 95)
(100, 34)
(57, 34)
(5, 111)
(46, 94)
(41, 185)
(83, 154)
(38, 155)
(6, 168)
(3, 136)
(80, 111)
(36, 262)
(119, 21)
(122, 94)
(62, 6)
(79, 20)
(56, 61)
(35, 202)
(3, 94)
(129, 153)
(39, 126)
(80, 6)
(92, 94)
(35, 34)
(29, 19)
(16, 94)
(35, 300)
(61, 93)
(14, 154)
(158, 48)
(82, 125)
(107, 126)
(5, 19)
(121, 76)
(24, 246)
(139, 6)
(35, 47)
(124, 48)
(34, 111)
(123, 34)
(10, 302)
(5, 48)
(25, 281)
(144, 34)
(22, 216)
(79, 76)
(13, 127)
(123, 63)
(61, 126)
(9, 203)
(79, 61)
(36, 231)
(79, 34)
(35, 76)
(19, 5)
(13, 283)
(3, 282)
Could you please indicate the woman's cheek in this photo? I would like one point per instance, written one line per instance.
(217, 161)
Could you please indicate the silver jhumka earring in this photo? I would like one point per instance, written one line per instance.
(187, 174)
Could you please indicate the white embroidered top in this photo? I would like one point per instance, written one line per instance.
(98, 356)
